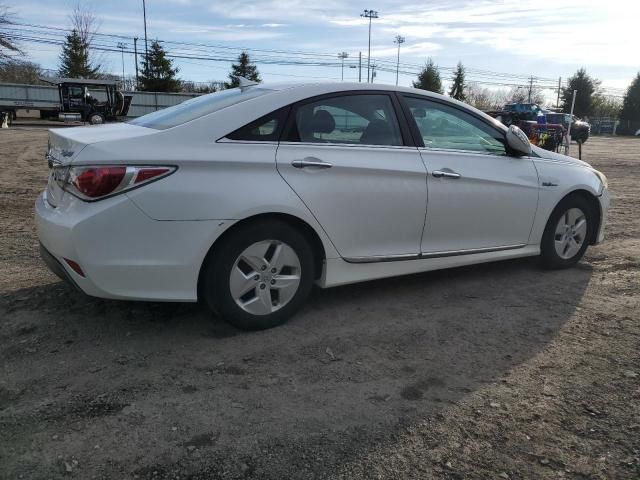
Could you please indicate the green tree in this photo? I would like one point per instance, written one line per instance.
(429, 78)
(587, 88)
(631, 103)
(74, 59)
(244, 68)
(158, 73)
(458, 86)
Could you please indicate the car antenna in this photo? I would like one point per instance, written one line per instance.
(245, 82)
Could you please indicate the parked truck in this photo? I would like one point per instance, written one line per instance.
(93, 101)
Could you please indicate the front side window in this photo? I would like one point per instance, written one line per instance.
(361, 119)
(448, 128)
(197, 107)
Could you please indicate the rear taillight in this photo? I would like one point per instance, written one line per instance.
(96, 182)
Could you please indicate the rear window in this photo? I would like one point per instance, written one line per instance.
(196, 107)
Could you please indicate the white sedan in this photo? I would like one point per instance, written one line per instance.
(246, 197)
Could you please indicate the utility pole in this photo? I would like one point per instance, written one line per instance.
(530, 87)
(559, 88)
(359, 67)
(121, 46)
(135, 55)
(370, 14)
(342, 56)
(399, 40)
(144, 14)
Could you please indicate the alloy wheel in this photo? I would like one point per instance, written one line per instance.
(570, 233)
(265, 277)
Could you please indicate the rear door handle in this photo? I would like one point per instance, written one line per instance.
(445, 173)
(311, 162)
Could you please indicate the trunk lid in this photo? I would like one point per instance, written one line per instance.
(66, 143)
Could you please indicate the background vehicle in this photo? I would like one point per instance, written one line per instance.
(544, 128)
(246, 197)
(77, 102)
(48, 99)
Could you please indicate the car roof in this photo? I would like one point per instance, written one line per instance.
(311, 89)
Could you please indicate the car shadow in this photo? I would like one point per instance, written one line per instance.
(354, 368)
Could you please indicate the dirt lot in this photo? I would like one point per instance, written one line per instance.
(495, 371)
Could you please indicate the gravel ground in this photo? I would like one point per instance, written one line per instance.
(495, 371)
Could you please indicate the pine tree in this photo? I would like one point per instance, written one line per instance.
(458, 86)
(244, 68)
(74, 59)
(587, 88)
(631, 103)
(158, 74)
(429, 78)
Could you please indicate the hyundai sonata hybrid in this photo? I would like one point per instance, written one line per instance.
(245, 198)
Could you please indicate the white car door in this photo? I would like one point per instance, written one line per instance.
(346, 157)
(479, 196)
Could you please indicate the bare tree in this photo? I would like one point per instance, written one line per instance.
(19, 71)
(484, 98)
(7, 44)
(520, 94)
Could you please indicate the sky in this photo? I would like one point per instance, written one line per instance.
(544, 38)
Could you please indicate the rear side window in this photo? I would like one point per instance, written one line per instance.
(264, 129)
(197, 107)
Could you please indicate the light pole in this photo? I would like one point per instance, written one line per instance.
(121, 46)
(342, 56)
(399, 41)
(135, 54)
(370, 14)
(144, 14)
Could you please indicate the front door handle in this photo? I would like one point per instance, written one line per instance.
(311, 162)
(445, 173)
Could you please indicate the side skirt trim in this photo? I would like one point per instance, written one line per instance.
(421, 256)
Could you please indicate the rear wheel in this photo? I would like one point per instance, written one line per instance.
(566, 236)
(259, 276)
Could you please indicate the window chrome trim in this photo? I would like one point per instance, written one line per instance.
(351, 145)
(424, 256)
(259, 142)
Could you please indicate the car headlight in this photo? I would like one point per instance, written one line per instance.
(602, 178)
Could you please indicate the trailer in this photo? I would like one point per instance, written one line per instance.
(47, 100)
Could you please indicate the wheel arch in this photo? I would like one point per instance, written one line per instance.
(595, 208)
(301, 225)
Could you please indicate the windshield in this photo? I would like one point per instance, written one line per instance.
(196, 107)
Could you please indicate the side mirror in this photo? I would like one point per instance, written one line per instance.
(518, 141)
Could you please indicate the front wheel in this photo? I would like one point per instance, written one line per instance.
(566, 236)
(259, 275)
(96, 119)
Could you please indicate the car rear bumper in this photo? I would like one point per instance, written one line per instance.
(122, 252)
(56, 267)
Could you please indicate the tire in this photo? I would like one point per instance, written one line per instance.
(96, 119)
(245, 262)
(565, 238)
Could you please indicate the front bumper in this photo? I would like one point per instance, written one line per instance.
(123, 253)
(604, 209)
